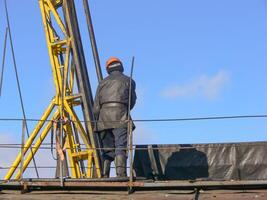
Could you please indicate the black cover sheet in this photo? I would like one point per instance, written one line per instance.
(232, 161)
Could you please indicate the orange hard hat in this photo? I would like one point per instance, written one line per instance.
(112, 60)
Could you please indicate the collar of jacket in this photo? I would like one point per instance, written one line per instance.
(115, 72)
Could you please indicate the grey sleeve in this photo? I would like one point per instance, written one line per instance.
(134, 97)
(96, 108)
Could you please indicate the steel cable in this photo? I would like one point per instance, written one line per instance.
(17, 80)
(154, 120)
(145, 147)
(3, 62)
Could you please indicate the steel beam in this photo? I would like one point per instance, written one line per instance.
(92, 40)
(84, 86)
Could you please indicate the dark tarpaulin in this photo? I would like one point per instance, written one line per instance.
(232, 161)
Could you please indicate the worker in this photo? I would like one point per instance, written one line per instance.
(111, 111)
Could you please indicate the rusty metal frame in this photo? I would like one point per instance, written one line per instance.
(28, 185)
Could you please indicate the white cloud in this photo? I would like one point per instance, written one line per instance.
(208, 87)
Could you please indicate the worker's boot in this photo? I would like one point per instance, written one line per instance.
(120, 163)
(106, 168)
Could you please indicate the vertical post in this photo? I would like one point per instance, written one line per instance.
(61, 120)
(22, 148)
(130, 129)
(61, 162)
(131, 155)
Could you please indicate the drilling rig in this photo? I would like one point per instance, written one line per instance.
(68, 64)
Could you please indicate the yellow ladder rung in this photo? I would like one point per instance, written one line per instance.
(59, 44)
(76, 145)
(82, 155)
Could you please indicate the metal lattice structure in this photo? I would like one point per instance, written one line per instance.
(68, 65)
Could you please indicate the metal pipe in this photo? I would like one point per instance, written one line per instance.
(95, 56)
(130, 128)
(84, 86)
(61, 121)
(92, 40)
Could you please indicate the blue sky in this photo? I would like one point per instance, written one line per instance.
(193, 59)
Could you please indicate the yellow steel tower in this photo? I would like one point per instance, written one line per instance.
(64, 52)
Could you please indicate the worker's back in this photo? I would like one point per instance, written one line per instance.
(112, 99)
(115, 88)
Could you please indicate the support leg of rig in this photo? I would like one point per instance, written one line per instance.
(37, 145)
(30, 140)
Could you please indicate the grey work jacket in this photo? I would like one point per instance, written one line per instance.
(111, 101)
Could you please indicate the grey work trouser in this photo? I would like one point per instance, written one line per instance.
(116, 140)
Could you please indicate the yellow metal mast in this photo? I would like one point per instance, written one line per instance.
(59, 44)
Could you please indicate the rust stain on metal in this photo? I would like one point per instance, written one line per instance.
(85, 184)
